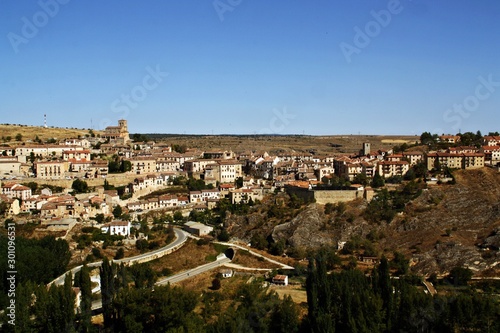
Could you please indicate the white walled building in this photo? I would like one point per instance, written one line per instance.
(120, 228)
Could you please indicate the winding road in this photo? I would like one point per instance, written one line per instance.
(221, 259)
(180, 239)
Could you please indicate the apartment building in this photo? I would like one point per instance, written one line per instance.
(51, 169)
(393, 168)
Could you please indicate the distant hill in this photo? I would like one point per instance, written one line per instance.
(274, 144)
(30, 132)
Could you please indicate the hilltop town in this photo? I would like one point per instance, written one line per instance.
(112, 181)
(112, 195)
(236, 176)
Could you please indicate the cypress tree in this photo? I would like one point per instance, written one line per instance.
(107, 291)
(385, 289)
(86, 300)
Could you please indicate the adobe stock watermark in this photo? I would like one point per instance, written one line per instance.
(278, 122)
(31, 27)
(363, 37)
(484, 89)
(137, 94)
(11, 273)
(223, 6)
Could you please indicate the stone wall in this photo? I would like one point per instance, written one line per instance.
(333, 196)
(327, 196)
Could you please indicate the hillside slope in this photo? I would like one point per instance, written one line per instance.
(446, 226)
(30, 132)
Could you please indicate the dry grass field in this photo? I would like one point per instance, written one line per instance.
(187, 257)
(335, 144)
(30, 132)
(324, 144)
(297, 293)
(246, 259)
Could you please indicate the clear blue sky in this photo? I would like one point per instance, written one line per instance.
(253, 66)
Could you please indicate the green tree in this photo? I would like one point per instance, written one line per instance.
(259, 242)
(32, 185)
(120, 253)
(178, 217)
(54, 309)
(79, 186)
(117, 211)
(285, 317)
(114, 167)
(277, 248)
(19, 137)
(125, 166)
(99, 218)
(360, 178)
(383, 287)
(4, 207)
(107, 186)
(216, 284)
(460, 276)
(223, 235)
(86, 300)
(166, 309)
(107, 272)
(239, 182)
(179, 148)
(24, 308)
(378, 180)
(426, 138)
(143, 275)
(400, 263)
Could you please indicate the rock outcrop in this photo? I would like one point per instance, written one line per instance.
(306, 230)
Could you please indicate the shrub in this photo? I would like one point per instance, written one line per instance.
(96, 252)
(216, 284)
(119, 254)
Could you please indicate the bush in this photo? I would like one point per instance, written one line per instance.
(96, 252)
(79, 186)
(166, 271)
(277, 248)
(90, 258)
(119, 254)
(142, 244)
(89, 230)
(216, 284)
(329, 208)
(460, 276)
(202, 241)
(223, 236)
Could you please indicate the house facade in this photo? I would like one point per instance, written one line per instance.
(51, 169)
(119, 228)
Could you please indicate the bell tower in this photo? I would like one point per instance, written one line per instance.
(122, 123)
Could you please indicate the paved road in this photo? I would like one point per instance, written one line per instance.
(181, 237)
(221, 259)
(430, 287)
(283, 266)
